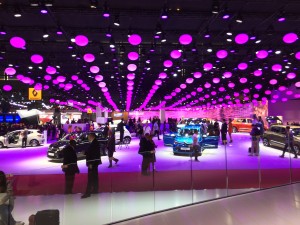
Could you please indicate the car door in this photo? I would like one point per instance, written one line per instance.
(277, 137)
(14, 139)
(248, 125)
(82, 143)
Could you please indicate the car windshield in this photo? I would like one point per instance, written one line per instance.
(186, 132)
(70, 136)
(296, 131)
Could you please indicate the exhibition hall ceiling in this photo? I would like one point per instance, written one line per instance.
(134, 55)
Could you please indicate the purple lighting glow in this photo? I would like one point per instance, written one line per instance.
(17, 42)
(227, 74)
(10, 71)
(135, 39)
(189, 80)
(162, 75)
(168, 63)
(37, 59)
(290, 38)
(175, 54)
(243, 66)
(261, 54)
(297, 55)
(243, 80)
(89, 57)
(276, 67)
(81, 40)
(50, 70)
(185, 39)
(207, 66)
(273, 81)
(197, 75)
(133, 56)
(94, 69)
(241, 39)
(7, 87)
(221, 54)
(291, 75)
(132, 67)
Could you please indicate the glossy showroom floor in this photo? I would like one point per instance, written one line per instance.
(125, 193)
(276, 206)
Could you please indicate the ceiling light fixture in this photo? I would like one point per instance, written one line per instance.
(2, 30)
(215, 7)
(44, 9)
(163, 38)
(45, 33)
(17, 12)
(105, 10)
(164, 14)
(207, 34)
(225, 14)
(112, 43)
(281, 16)
(59, 31)
(117, 21)
(108, 32)
(93, 4)
(239, 18)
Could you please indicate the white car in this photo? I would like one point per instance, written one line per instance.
(13, 139)
(126, 138)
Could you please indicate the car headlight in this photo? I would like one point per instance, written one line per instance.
(61, 148)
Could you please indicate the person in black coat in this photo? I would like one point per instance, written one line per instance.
(93, 160)
(147, 152)
(111, 147)
(70, 167)
(224, 132)
(120, 128)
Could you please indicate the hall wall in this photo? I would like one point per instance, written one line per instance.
(290, 110)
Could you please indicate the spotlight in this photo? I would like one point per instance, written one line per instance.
(44, 9)
(108, 32)
(94, 4)
(117, 21)
(17, 12)
(106, 10)
(152, 48)
(59, 31)
(164, 14)
(225, 14)
(34, 3)
(101, 51)
(215, 7)
(45, 34)
(239, 18)
(163, 38)
(207, 34)
(281, 16)
(112, 43)
(2, 30)
(158, 29)
(48, 3)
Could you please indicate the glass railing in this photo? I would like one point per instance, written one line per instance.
(124, 191)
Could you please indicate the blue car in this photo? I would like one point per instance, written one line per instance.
(184, 139)
(169, 138)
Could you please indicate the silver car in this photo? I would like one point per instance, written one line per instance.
(14, 138)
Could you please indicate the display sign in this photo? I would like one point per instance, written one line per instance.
(34, 94)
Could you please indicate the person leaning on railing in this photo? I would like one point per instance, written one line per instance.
(6, 202)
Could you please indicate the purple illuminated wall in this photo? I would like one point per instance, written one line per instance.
(288, 110)
(245, 110)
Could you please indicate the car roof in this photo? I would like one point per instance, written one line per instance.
(23, 130)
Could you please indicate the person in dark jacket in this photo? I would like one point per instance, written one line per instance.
(289, 142)
(105, 130)
(93, 160)
(70, 166)
(111, 147)
(120, 128)
(224, 132)
(147, 152)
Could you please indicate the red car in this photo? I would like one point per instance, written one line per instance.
(241, 125)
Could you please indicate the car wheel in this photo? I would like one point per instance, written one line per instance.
(1, 145)
(126, 140)
(234, 130)
(34, 143)
(266, 142)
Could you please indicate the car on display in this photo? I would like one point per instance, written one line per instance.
(190, 121)
(55, 150)
(12, 139)
(241, 125)
(169, 138)
(275, 136)
(183, 140)
(126, 138)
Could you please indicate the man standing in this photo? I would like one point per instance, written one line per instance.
(93, 160)
(289, 142)
(156, 129)
(120, 128)
(224, 132)
(196, 146)
(24, 139)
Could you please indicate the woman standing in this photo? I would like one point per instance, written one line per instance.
(6, 202)
(111, 147)
(70, 167)
(230, 129)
